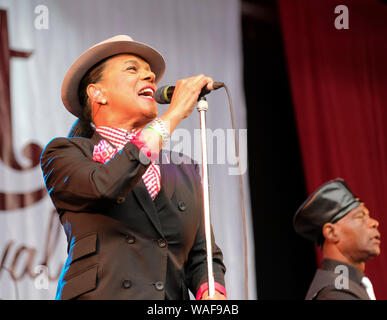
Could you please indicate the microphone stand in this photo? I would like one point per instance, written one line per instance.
(202, 107)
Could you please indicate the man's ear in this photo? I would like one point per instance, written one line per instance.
(330, 233)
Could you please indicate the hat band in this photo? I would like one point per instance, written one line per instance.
(346, 210)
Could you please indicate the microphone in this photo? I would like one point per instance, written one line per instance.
(163, 95)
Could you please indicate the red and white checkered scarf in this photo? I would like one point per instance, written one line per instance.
(103, 152)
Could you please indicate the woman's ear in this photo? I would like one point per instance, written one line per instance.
(95, 94)
(330, 232)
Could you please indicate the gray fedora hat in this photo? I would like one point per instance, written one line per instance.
(115, 45)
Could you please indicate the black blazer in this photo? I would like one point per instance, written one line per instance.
(323, 286)
(121, 244)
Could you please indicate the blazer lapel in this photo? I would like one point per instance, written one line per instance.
(168, 175)
(168, 183)
(143, 197)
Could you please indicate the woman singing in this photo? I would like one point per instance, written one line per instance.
(133, 218)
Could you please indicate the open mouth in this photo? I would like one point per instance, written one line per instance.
(147, 93)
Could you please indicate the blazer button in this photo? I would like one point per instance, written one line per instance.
(159, 286)
(130, 239)
(120, 199)
(181, 205)
(162, 243)
(126, 284)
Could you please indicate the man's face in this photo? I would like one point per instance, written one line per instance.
(358, 235)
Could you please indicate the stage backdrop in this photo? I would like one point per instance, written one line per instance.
(338, 67)
(43, 38)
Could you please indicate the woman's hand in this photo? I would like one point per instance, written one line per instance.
(186, 94)
(184, 98)
(183, 101)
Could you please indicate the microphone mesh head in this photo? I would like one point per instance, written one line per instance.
(163, 94)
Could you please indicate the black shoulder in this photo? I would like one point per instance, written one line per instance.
(62, 142)
(332, 293)
(65, 146)
(324, 287)
(183, 162)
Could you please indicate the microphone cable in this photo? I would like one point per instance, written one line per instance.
(241, 190)
(163, 96)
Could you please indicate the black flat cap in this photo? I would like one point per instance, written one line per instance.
(329, 203)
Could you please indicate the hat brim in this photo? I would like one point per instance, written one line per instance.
(98, 53)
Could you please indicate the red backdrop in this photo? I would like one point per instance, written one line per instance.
(339, 87)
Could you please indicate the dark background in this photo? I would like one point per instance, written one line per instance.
(285, 263)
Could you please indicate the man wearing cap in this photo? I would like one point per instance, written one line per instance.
(341, 225)
(133, 219)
